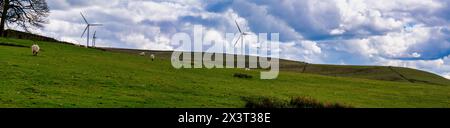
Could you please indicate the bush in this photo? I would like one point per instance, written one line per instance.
(241, 75)
(308, 102)
(263, 102)
(295, 102)
(305, 102)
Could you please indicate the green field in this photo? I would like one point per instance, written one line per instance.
(70, 76)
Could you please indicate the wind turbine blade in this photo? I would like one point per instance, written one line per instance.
(96, 24)
(235, 21)
(84, 31)
(237, 40)
(84, 18)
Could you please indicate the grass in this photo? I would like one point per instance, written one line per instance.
(370, 72)
(69, 76)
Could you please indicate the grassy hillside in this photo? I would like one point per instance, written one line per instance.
(384, 73)
(69, 76)
(397, 74)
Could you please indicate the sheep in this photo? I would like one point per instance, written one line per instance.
(142, 54)
(152, 56)
(247, 69)
(35, 49)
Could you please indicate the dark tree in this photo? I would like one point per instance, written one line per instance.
(24, 13)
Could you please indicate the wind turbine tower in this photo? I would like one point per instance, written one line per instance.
(93, 39)
(87, 29)
(242, 34)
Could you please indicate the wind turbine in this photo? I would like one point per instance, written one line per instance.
(241, 34)
(93, 38)
(88, 25)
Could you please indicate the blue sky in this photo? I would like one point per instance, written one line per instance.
(407, 33)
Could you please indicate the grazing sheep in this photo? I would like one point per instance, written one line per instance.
(35, 49)
(152, 56)
(142, 53)
(247, 69)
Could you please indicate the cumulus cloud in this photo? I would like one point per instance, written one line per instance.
(140, 40)
(307, 51)
(446, 75)
(421, 42)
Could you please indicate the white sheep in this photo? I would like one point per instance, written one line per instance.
(247, 69)
(142, 53)
(35, 49)
(152, 56)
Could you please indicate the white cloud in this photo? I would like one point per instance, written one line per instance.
(307, 51)
(141, 41)
(446, 75)
(393, 45)
(415, 55)
(158, 11)
(337, 31)
(382, 15)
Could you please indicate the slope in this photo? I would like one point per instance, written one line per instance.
(69, 76)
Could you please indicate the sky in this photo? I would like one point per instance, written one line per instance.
(405, 33)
